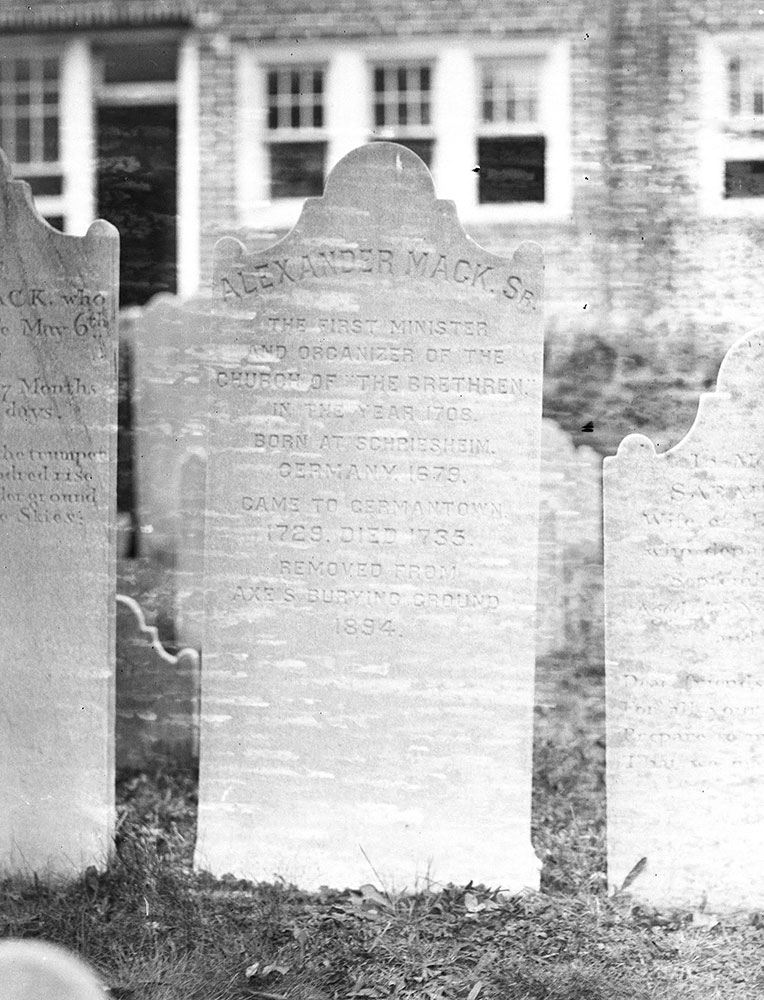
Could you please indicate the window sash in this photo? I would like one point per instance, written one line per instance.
(510, 92)
(745, 88)
(402, 95)
(295, 98)
(30, 109)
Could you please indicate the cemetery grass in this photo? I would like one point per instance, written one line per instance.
(157, 931)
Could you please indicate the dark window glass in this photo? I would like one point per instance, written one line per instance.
(52, 185)
(297, 169)
(50, 139)
(422, 147)
(511, 169)
(23, 148)
(744, 179)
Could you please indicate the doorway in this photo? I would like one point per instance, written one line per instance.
(137, 192)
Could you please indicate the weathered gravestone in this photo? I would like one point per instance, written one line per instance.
(171, 341)
(157, 701)
(37, 970)
(684, 584)
(569, 605)
(58, 298)
(370, 545)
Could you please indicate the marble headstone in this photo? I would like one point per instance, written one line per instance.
(684, 585)
(370, 545)
(170, 340)
(37, 970)
(58, 389)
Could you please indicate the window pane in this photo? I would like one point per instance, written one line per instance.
(297, 169)
(402, 95)
(53, 184)
(23, 148)
(744, 179)
(295, 98)
(511, 169)
(509, 91)
(29, 109)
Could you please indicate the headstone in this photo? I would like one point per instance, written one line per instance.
(170, 341)
(370, 545)
(37, 970)
(157, 704)
(569, 604)
(684, 575)
(58, 299)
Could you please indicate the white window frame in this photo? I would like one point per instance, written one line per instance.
(455, 124)
(723, 138)
(286, 134)
(76, 202)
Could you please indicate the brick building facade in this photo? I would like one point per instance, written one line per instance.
(627, 136)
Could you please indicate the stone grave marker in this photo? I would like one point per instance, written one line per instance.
(38, 970)
(157, 697)
(58, 300)
(170, 340)
(370, 545)
(684, 585)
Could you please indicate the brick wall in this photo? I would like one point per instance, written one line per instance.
(639, 258)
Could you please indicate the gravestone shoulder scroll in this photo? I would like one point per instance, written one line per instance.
(157, 697)
(370, 545)
(684, 583)
(58, 392)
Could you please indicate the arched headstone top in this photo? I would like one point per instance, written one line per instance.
(735, 402)
(380, 200)
(740, 370)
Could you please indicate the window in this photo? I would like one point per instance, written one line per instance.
(502, 104)
(511, 147)
(29, 120)
(744, 178)
(297, 148)
(402, 96)
(733, 135)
